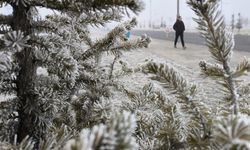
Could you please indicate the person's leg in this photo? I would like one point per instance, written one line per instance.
(182, 40)
(176, 39)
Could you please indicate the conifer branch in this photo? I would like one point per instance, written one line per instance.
(210, 70)
(172, 79)
(2, 45)
(2, 32)
(112, 67)
(4, 29)
(85, 5)
(43, 25)
(233, 132)
(3, 2)
(242, 68)
(5, 19)
(64, 90)
(117, 134)
(220, 42)
(244, 91)
(106, 44)
(133, 44)
(56, 5)
(123, 88)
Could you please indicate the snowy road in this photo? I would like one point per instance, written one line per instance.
(242, 42)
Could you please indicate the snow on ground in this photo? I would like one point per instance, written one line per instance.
(185, 61)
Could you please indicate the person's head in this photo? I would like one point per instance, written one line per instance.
(179, 18)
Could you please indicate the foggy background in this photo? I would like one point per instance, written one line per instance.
(164, 11)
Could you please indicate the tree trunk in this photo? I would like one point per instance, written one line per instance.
(26, 76)
(25, 93)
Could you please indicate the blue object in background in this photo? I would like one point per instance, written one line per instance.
(128, 35)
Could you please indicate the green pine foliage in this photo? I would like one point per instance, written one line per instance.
(73, 103)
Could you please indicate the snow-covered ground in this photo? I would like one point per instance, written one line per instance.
(185, 61)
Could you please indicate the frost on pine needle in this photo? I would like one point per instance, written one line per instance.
(171, 78)
(68, 69)
(242, 69)
(61, 44)
(233, 132)
(211, 70)
(220, 42)
(16, 41)
(117, 134)
(75, 104)
(5, 62)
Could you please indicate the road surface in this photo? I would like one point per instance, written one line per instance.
(242, 42)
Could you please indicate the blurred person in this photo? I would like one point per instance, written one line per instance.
(179, 28)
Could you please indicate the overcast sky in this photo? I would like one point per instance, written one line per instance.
(166, 9)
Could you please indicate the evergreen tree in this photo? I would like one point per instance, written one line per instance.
(62, 46)
(178, 116)
(72, 108)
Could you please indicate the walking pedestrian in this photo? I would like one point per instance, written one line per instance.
(179, 28)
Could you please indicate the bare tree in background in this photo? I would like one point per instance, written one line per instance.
(239, 24)
(232, 23)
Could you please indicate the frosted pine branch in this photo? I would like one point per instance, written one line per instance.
(172, 79)
(242, 69)
(182, 88)
(70, 84)
(16, 41)
(117, 134)
(85, 5)
(4, 29)
(233, 132)
(106, 44)
(220, 42)
(210, 70)
(5, 62)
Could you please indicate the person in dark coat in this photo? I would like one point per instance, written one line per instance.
(179, 28)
